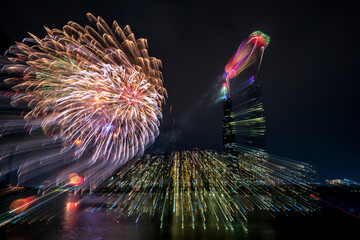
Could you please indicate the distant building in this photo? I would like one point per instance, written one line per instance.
(342, 182)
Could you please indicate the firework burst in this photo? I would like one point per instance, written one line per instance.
(97, 90)
(249, 53)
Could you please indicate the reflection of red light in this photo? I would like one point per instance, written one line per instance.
(20, 205)
(75, 179)
(72, 205)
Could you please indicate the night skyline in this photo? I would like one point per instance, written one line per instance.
(308, 72)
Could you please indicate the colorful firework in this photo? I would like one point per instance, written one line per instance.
(98, 91)
(249, 52)
(75, 180)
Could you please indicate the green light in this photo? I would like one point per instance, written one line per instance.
(263, 36)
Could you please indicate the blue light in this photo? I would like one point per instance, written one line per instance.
(107, 127)
(251, 80)
(224, 75)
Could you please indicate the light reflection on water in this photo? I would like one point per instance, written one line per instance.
(77, 217)
(79, 220)
(70, 214)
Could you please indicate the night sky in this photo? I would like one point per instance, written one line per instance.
(309, 72)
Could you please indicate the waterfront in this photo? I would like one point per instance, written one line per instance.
(83, 221)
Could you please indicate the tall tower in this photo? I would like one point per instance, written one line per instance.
(248, 120)
(250, 116)
(227, 124)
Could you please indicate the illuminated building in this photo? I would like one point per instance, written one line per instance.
(188, 188)
(249, 121)
(227, 128)
(342, 182)
(191, 187)
(249, 117)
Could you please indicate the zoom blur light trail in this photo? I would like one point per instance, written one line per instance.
(96, 90)
(199, 188)
(186, 188)
(249, 52)
(20, 205)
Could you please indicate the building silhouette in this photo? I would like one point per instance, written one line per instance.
(227, 128)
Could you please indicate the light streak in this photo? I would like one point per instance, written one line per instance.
(20, 205)
(333, 205)
(204, 184)
(250, 52)
(96, 92)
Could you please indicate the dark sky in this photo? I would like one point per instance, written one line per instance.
(309, 72)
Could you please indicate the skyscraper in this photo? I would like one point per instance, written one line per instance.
(227, 128)
(249, 118)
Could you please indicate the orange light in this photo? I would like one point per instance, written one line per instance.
(115, 135)
(77, 142)
(75, 179)
(20, 205)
